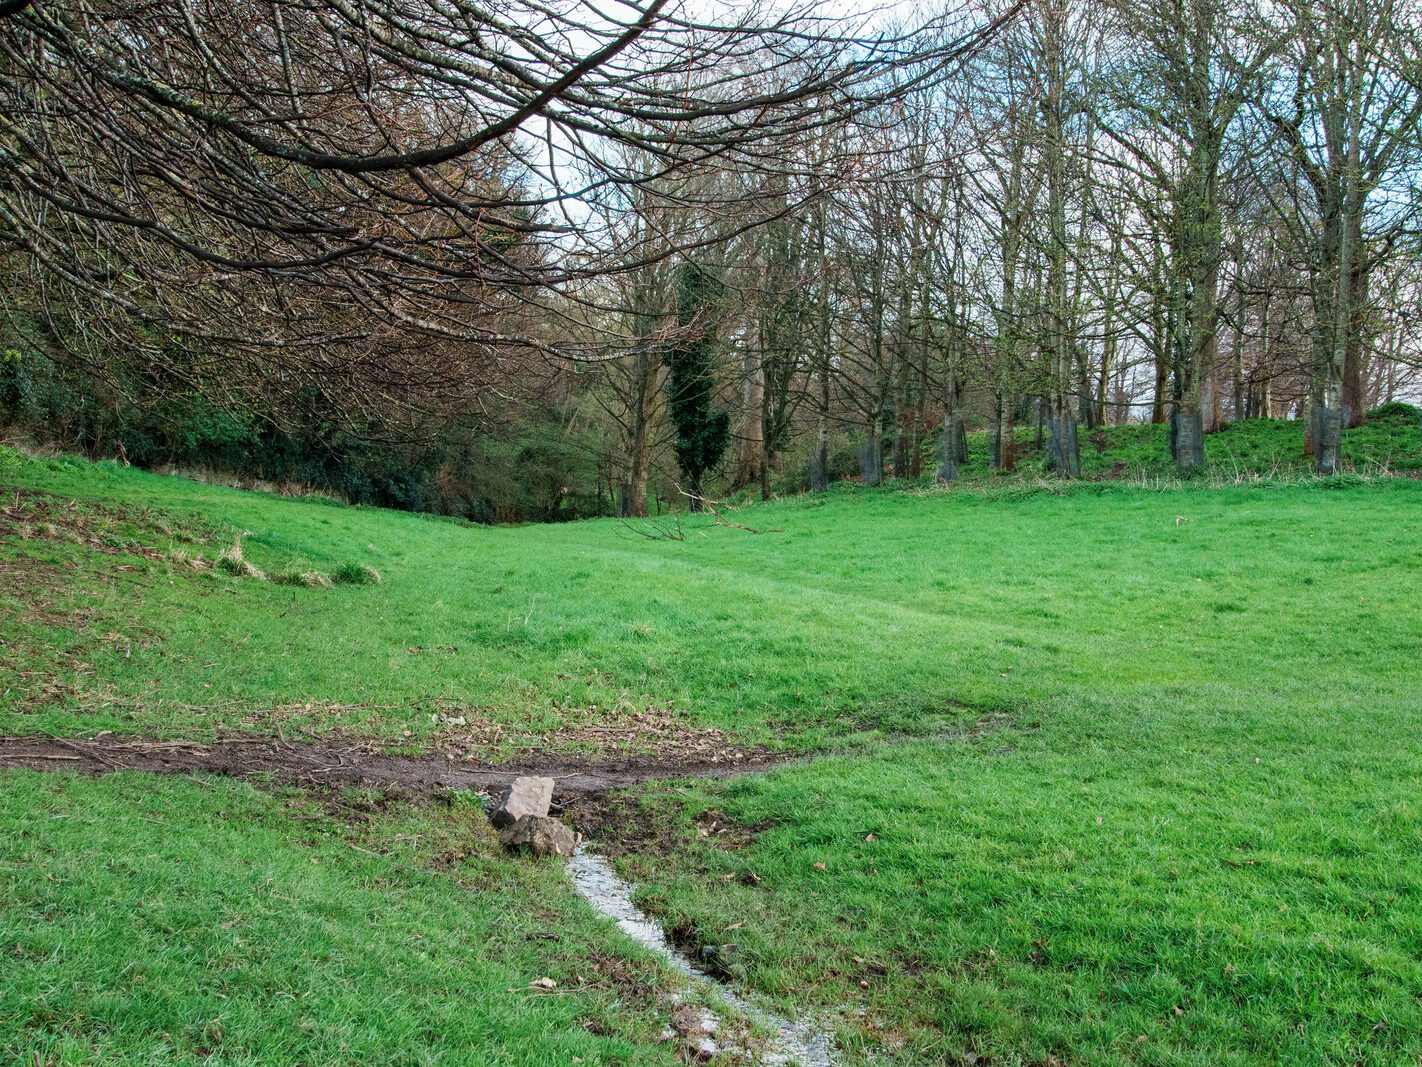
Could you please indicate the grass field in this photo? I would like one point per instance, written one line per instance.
(151, 920)
(1103, 774)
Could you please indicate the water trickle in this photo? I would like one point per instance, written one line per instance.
(794, 1042)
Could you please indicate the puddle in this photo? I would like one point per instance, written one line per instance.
(794, 1042)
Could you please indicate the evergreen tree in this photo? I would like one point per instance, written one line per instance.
(702, 432)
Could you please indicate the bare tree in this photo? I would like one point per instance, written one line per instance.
(221, 170)
(1188, 68)
(1347, 108)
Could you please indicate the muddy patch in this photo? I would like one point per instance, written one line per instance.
(624, 729)
(354, 764)
(726, 833)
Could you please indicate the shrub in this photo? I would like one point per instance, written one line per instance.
(1395, 409)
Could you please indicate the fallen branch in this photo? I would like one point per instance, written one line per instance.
(715, 507)
(24, 755)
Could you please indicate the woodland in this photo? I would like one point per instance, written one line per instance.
(538, 262)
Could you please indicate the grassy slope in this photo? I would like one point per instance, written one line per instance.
(156, 921)
(1224, 678)
(1391, 442)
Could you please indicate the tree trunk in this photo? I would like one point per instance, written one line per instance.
(632, 493)
(1327, 433)
(768, 458)
(1196, 343)
(1162, 378)
(871, 455)
(1237, 355)
(1333, 317)
(1211, 405)
(1187, 437)
(1087, 411)
(995, 435)
(1108, 336)
(1007, 440)
(1063, 454)
(953, 447)
(1259, 399)
(1354, 404)
(751, 459)
(819, 458)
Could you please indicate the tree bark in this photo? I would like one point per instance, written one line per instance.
(645, 395)
(953, 447)
(1354, 359)
(751, 459)
(1007, 436)
(1063, 453)
(1237, 354)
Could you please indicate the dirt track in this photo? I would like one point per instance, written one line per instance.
(355, 764)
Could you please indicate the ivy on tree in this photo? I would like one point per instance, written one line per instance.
(702, 432)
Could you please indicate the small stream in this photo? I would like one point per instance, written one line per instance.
(796, 1042)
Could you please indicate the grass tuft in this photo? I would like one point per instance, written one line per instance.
(304, 579)
(355, 574)
(233, 562)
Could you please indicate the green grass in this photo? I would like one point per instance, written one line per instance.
(1119, 898)
(157, 921)
(1186, 830)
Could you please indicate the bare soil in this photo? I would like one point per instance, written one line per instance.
(361, 764)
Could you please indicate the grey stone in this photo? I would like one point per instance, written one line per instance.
(717, 959)
(691, 1021)
(526, 796)
(540, 835)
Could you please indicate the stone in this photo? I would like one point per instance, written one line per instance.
(692, 1021)
(526, 796)
(540, 835)
(697, 1027)
(717, 959)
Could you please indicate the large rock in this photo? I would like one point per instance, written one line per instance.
(527, 796)
(540, 835)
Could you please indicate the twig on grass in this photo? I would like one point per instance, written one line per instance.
(658, 531)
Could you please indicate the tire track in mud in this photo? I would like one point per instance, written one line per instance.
(344, 764)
